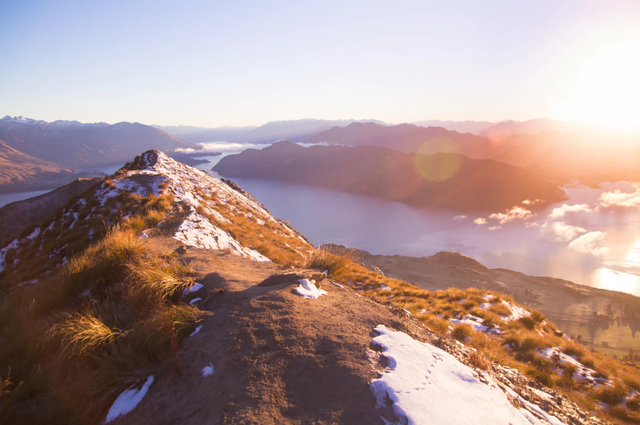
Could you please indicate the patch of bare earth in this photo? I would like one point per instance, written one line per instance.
(278, 358)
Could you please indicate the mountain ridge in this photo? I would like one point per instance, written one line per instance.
(427, 181)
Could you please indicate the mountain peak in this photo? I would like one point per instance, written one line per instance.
(22, 120)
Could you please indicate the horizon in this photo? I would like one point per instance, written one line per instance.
(363, 120)
(243, 64)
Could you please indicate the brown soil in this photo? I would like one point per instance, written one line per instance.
(278, 358)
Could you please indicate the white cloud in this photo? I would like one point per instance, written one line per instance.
(590, 243)
(560, 212)
(532, 202)
(559, 231)
(515, 213)
(459, 217)
(495, 227)
(618, 198)
(221, 147)
(480, 221)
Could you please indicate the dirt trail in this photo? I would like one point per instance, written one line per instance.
(278, 358)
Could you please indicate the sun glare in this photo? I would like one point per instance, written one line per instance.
(607, 91)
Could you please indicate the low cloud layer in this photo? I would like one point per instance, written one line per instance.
(628, 197)
(220, 147)
(591, 243)
(515, 213)
(559, 231)
(564, 209)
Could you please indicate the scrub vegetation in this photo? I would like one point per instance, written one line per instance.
(530, 343)
(98, 322)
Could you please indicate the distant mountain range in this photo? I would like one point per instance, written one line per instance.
(473, 127)
(294, 130)
(509, 128)
(428, 181)
(39, 154)
(299, 130)
(501, 128)
(404, 138)
(590, 155)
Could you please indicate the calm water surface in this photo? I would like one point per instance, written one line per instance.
(7, 198)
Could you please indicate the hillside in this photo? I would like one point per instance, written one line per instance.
(164, 295)
(75, 145)
(17, 216)
(569, 305)
(437, 181)
(22, 172)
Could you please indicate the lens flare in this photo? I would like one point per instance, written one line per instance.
(438, 159)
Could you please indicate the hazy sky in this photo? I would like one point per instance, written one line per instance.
(248, 62)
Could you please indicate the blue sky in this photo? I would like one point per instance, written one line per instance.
(246, 63)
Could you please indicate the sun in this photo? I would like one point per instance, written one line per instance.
(607, 91)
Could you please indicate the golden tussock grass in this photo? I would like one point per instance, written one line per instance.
(323, 260)
(83, 334)
(274, 240)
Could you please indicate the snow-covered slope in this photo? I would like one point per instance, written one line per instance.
(427, 385)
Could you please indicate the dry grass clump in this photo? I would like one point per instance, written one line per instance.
(83, 334)
(611, 395)
(157, 280)
(184, 318)
(478, 360)
(461, 332)
(323, 260)
(501, 309)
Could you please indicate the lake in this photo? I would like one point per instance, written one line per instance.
(7, 198)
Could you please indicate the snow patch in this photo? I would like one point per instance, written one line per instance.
(476, 324)
(208, 370)
(307, 289)
(582, 372)
(196, 230)
(128, 400)
(426, 385)
(193, 288)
